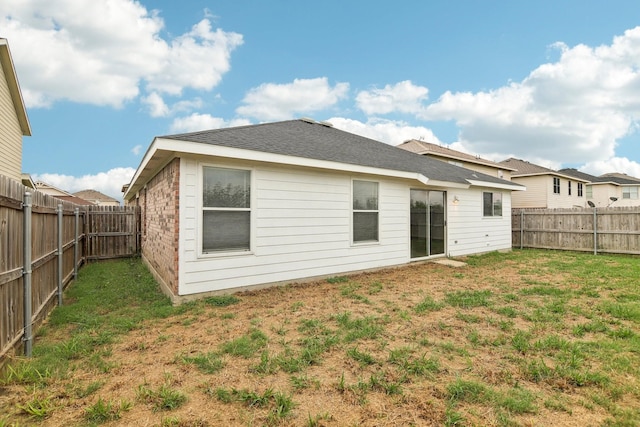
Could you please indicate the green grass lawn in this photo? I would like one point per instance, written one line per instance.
(522, 338)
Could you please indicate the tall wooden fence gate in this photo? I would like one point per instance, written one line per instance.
(43, 242)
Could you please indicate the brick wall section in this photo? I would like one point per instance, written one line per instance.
(159, 204)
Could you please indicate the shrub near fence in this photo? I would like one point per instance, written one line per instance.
(610, 230)
(54, 256)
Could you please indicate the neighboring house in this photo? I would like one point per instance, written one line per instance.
(546, 188)
(612, 189)
(50, 190)
(236, 208)
(97, 198)
(14, 123)
(457, 158)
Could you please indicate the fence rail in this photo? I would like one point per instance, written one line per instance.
(610, 230)
(43, 242)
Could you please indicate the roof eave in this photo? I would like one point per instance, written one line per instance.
(14, 87)
(502, 186)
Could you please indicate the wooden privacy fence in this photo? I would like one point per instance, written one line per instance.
(610, 230)
(43, 242)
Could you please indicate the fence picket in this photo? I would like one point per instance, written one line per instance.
(50, 264)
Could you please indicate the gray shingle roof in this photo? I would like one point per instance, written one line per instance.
(616, 178)
(313, 140)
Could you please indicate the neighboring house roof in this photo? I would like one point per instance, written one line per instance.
(14, 87)
(53, 191)
(622, 176)
(523, 168)
(424, 148)
(95, 196)
(610, 178)
(293, 141)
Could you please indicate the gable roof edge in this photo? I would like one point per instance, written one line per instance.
(14, 87)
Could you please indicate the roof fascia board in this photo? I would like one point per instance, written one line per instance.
(14, 87)
(481, 162)
(573, 178)
(514, 187)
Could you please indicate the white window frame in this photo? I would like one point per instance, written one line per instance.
(580, 190)
(556, 185)
(630, 192)
(201, 209)
(493, 204)
(354, 211)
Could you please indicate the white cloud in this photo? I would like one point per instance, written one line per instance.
(156, 105)
(103, 53)
(570, 111)
(196, 122)
(271, 101)
(614, 164)
(109, 183)
(137, 150)
(404, 97)
(388, 131)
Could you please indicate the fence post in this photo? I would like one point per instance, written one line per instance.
(75, 244)
(26, 279)
(60, 272)
(521, 228)
(595, 231)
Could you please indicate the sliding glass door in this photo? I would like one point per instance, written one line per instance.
(427, 223)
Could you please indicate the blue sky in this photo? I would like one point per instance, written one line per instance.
(556, 83)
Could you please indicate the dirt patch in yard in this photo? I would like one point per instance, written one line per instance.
(427, 344)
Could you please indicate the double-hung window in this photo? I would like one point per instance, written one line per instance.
(365, 211)
(491, 204)
(556, 185)
(629, 192)
(579, 189)
(226, 209)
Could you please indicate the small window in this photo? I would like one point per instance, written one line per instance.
(579, 189)
(226, 209)
(589, 192)
(492, 204)
(569, 188)
(629, 192)
(556, 185)
(365, 211)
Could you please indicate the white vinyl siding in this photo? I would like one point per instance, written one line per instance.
(10, 134)
(468, 231)
(301, 227)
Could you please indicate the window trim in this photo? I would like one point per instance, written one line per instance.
(630, 193)
(354, 211)
(493, 204)
(580, 190)
(556, 185)
(200, 209)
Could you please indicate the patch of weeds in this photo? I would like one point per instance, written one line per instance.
(474, 337)
(88, 390)
(297, 306)
(622, 333)
(208, 363)
(337, 279)
(282, 406)
(313, 347)
(509, 312)
(27, 372)
(303, 382)
(536, 370)
(468, 299)
(595, 326)
(374, 288)
(247, 345)
(368, 327)
(267, 365)
(103, 411)
(364, 359)
(428, 304)
(520, 341)
(420, 366)
(623, 311)
(545, 291)
(315, 420)
(221, 300)
(516, 400)
(38, 407)
(453, 418)
(380, 381)
(349, 291)
(164, 398)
